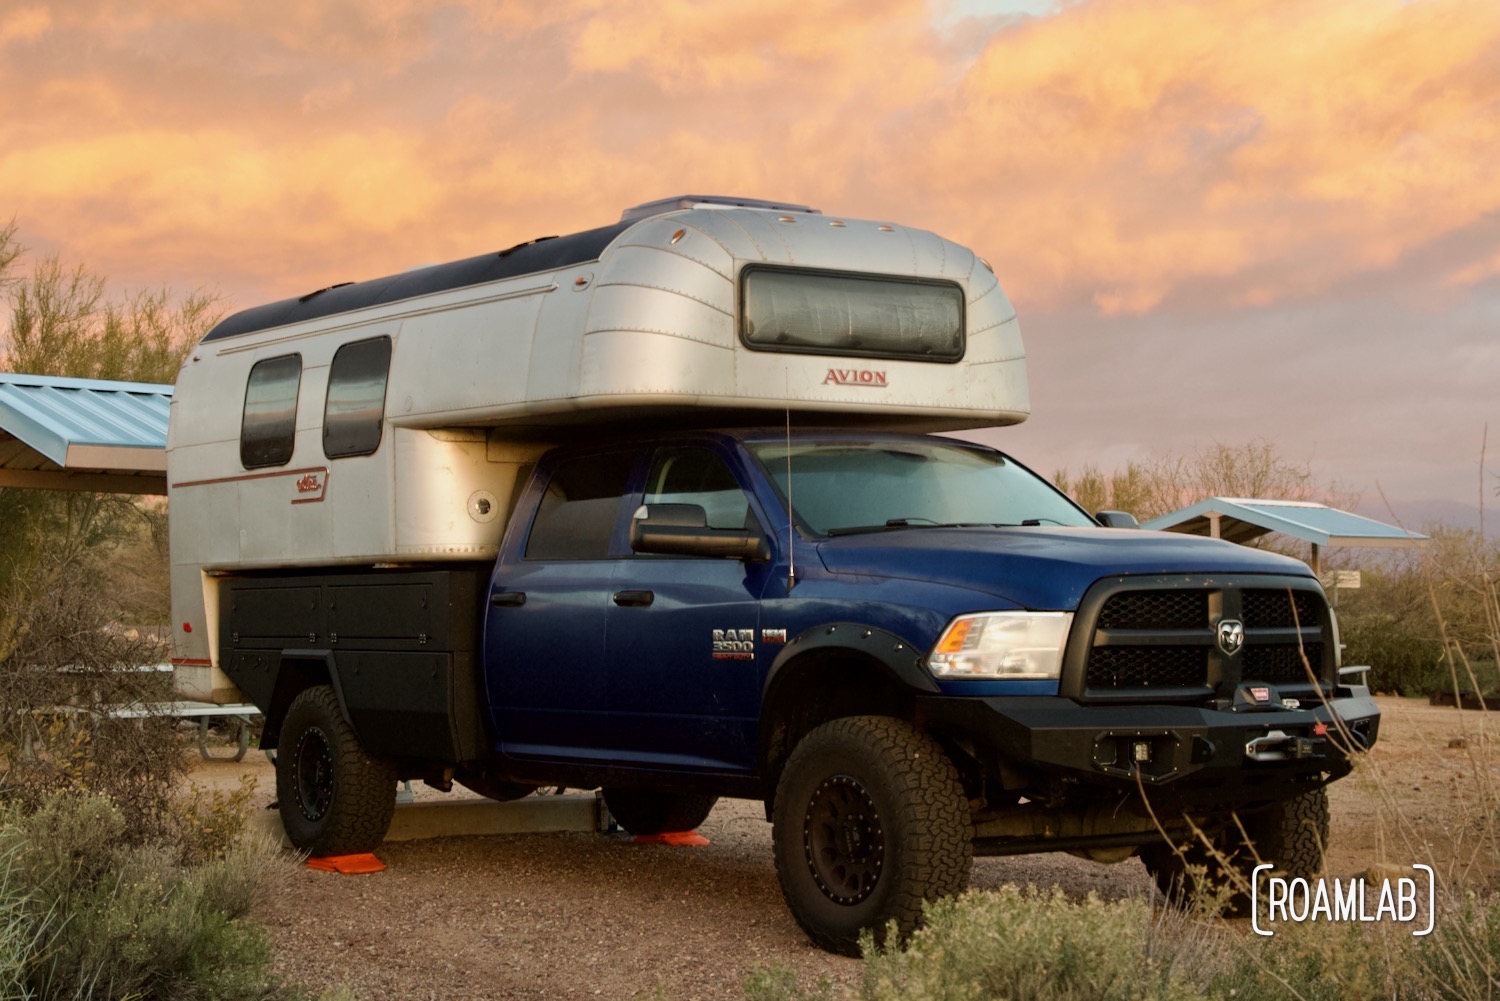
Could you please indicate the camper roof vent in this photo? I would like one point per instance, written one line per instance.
(662, 205)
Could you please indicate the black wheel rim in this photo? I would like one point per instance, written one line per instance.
(314, 771)
(842, 836)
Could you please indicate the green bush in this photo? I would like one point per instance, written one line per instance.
(1422, 617)
(780, 984)
(1322, 962)
(1029, 946)
(1460, 961)
(1019, 945)
(87, 915)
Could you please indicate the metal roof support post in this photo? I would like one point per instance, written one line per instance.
(1317, 560)
(1213, 526)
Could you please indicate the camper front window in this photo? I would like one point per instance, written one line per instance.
(836, 313)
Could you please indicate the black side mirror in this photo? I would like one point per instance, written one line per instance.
(1117, 519)
(682, 530)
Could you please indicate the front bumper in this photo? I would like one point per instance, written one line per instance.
(1186, 752)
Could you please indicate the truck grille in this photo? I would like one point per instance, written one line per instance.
(1282, 664)
(1155, 610)
(1157, 640)
(1148, 667)
(1265, 609)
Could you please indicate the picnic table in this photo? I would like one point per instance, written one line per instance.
(240, 714)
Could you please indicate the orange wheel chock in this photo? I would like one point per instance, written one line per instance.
(349, 865)
(677, 839)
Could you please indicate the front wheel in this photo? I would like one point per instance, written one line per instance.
(870, 821)
(334, 798)
(1291, 834)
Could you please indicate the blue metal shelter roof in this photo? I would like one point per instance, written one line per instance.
(83, 434)
(1241, 520)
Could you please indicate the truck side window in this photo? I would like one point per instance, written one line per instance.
(354, 413)
(268, 427)
(698, 476)
(577, 514)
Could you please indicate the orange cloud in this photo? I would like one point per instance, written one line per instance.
(1127, 154)
(1148, 144)
(25, 24)
(735, 46)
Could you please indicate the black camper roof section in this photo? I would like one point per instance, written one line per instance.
(545, 254)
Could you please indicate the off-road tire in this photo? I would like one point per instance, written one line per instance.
(870, 821)
(489, 787)
(334, 798)
(1292, 835)
(641, 812)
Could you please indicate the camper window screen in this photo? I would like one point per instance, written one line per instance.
(355, 411)
(840, 314)
(269, 425)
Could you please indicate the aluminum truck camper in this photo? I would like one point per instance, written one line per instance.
(656, 508)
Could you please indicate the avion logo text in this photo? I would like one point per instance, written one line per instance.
(854, 377)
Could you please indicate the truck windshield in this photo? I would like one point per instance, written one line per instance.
(844, 487)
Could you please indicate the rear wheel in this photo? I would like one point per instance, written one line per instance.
(641, 812)
(870, 821)
(334, 798)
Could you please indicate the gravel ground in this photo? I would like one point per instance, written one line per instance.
(580, 915)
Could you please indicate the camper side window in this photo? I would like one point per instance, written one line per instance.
(268, 426)
(354, 413)
(577, 515)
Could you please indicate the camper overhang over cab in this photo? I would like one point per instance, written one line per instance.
(388, 421)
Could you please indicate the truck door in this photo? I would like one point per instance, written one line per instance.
(545, 625)
(675, 699)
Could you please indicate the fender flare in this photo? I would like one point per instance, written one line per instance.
(895, 658)
(324, 667)
(904, 662)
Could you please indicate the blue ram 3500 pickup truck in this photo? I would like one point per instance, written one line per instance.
(911, 648)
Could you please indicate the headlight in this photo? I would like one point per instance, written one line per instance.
(1008, 646)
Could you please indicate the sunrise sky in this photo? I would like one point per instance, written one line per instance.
(1218, 219)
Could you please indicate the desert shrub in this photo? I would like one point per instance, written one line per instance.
(1031, 946)
(1321, 962)
(778, 983)
(23, 931)
(205, 825)
(1024, 945)
(1157, 485)
(66, 661)
(1460, 961)
(99, 917)
(1428, 618)
(83, 577)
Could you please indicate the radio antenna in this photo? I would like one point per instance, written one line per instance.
(791, 518)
